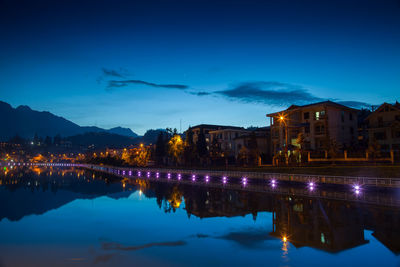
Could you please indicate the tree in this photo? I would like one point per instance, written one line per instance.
(189, 153)
(57, 140)
(300, 141)
(201, 145)
(47, 141)
(215, 148)
(374, 150)
(253, 149)
(141, 156)
(17, 140)
(243, 156)
(175, 148)
(160, 148)
(36, 139)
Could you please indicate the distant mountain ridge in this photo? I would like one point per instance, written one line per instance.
(25, 122)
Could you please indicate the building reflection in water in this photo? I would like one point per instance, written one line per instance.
(328, 225)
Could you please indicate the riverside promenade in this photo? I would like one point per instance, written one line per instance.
(377, 182)
(364, 190)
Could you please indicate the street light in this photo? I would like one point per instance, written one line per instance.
(282, 119)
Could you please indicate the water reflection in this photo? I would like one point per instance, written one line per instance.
(329, 225)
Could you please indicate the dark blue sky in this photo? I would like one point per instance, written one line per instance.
(151, 63)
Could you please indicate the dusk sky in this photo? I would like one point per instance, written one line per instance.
(151, 64)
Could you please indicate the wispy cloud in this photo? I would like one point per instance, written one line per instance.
(122, 83)
(269, 92)
(121, 73)
(201, 93)
(263, 92)
(278, 94)
(355, 104)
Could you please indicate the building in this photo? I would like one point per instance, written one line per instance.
(207, 128)
(263, 140)
(384, 126)
(320, 123)
(225, 139)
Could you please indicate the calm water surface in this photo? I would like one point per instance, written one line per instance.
(54, 217)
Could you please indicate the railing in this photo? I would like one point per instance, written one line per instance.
(301, 178)
(370, 198)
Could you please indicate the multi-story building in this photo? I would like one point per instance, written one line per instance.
(263, 140)
(206, 129)
(320, 123)
(225, 139)
(384, 126)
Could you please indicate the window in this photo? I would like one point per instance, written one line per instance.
(351, 116)
(319, 115)
(342, 115)
(307, 129)
(306, 115)
(319, 129)
(397, 117)
(351, 130)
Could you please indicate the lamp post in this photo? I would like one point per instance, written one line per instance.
(283, 120)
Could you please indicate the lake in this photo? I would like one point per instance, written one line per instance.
(74, 217)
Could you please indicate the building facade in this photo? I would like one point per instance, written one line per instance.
(384, 126)
(225, 139)
(207, 128)
(263, 140)
(320, 123)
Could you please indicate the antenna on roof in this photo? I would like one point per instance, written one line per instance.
(180, 126)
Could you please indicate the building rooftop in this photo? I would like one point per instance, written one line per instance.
(328, 102)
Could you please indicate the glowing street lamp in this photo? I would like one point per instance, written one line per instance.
(283, 119)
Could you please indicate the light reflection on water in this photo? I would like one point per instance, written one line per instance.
(62, 219)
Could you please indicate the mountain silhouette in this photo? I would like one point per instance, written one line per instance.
(25, 122)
